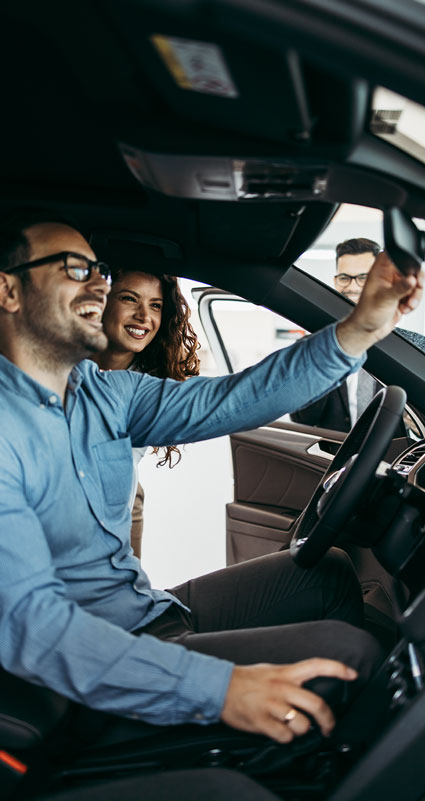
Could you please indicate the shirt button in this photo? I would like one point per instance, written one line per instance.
(53, 399)
(81, 473)
(42, 405)
(102, 523)
(198, 716)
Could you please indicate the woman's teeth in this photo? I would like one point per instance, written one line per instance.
(136, 332)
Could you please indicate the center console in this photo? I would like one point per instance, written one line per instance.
(389, 718)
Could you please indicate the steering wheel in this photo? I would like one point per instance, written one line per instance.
(348, 478)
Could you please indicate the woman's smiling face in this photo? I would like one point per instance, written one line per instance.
(133, 313)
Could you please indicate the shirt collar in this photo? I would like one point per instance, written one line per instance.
(13, 379)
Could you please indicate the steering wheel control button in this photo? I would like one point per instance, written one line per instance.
(399, 698)
(394, 678)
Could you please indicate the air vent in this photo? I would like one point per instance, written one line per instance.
(410, 460)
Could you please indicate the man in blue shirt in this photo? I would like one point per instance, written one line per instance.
(72, 595)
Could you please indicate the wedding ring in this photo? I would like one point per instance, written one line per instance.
(290, 715)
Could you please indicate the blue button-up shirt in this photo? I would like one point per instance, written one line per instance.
(71, 590)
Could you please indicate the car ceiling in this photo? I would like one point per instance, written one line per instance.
(83, 79)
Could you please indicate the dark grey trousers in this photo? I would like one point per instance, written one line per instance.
(270, 610)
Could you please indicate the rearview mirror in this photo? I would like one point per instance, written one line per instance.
(404, 243)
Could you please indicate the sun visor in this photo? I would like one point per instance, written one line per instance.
(136, 251)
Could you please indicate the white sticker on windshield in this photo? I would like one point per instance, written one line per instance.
(198, 66)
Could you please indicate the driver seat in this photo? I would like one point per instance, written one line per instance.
(47, 742)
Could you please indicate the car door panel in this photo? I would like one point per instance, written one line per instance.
(276, 470)
(246, 539)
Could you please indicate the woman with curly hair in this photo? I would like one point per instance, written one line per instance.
(147, 324)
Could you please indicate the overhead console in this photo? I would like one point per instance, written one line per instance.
(250, 179)
(215, 178)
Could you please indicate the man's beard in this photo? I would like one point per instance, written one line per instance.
(52, 342)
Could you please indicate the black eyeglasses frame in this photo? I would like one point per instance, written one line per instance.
(338, 277)
(100, 266)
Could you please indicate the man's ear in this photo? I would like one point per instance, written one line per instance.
(10, 296)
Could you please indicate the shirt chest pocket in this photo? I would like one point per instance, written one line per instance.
(115, 465)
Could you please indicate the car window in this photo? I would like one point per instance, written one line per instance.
(236, 333)
(250, 332)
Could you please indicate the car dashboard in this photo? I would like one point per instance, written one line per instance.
(389, 714)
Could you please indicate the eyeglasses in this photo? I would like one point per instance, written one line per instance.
(78, 268)
(344, 280)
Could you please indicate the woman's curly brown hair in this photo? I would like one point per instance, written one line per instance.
(172, 352)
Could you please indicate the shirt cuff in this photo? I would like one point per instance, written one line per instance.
(355, 360)
(203, 689)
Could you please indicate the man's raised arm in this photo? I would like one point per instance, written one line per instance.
(387, 295)
(283, 382)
